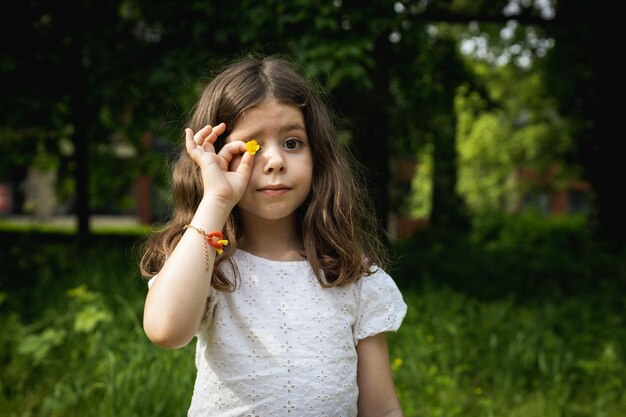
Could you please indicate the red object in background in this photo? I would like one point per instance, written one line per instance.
(144, 197)
(6, 198)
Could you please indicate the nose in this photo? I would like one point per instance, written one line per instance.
(274, 160)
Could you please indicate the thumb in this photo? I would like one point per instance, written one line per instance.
(245, 166)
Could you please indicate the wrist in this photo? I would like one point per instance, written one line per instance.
(211, 213)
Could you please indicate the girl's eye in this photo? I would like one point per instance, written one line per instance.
(292, 144)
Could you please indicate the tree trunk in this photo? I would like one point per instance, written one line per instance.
(368, 109)
(82, 115)
(586, 73)
(448, 209)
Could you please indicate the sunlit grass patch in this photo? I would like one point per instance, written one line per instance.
(455, 355)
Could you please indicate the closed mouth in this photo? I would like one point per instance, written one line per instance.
(274, 190)
(278, 187)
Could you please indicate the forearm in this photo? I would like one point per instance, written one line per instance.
(395, 413)
(176, 300)
(377, 393)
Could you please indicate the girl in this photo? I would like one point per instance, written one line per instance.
(288, 304)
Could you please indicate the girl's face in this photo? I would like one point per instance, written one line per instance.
(283, 168)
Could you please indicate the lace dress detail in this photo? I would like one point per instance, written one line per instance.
(281, 345)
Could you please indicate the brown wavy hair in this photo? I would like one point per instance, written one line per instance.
(339, 231)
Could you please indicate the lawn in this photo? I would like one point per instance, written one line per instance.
(72, 342)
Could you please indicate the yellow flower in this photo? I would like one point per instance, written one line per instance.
(478, 391)
(252, 147)
(396, 365)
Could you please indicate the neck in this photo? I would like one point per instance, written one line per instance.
(272, 239)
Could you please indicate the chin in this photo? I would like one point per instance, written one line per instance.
(265, 214)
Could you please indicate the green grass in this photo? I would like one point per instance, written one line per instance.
(99, 229)
(457, 356)
(72, 344)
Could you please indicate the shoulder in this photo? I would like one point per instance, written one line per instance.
(380, 305)
(377, 281)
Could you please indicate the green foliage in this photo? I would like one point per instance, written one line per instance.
(81, 350)
(457, 356)
(73, 345)
(423, 123)
(420, 201)
(514, 126)
(486, 169)
(523, 255)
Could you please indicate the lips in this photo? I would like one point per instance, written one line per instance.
(274, 189)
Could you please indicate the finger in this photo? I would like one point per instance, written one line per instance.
(231, 149)
(215, 133)
(219, 129)
(245, 167)
(190, 143)
(202, 134)
(209, 134)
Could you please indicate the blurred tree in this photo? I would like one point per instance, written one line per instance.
(583, 72)
(123, 67)
(512, 125)
(52, 55)
(424, 89)
(586, 74)
(447, 210)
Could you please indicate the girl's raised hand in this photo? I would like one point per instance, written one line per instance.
(218, 181)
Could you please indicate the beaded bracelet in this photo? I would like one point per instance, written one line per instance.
(215, 239)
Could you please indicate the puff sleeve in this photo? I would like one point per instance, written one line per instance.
(380, 306)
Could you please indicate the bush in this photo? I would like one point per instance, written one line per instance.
(72, 342)
(521, 255)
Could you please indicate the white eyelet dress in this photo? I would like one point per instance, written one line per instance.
(281, 345)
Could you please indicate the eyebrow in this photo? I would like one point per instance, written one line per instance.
(294, 126)
(287, 128)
